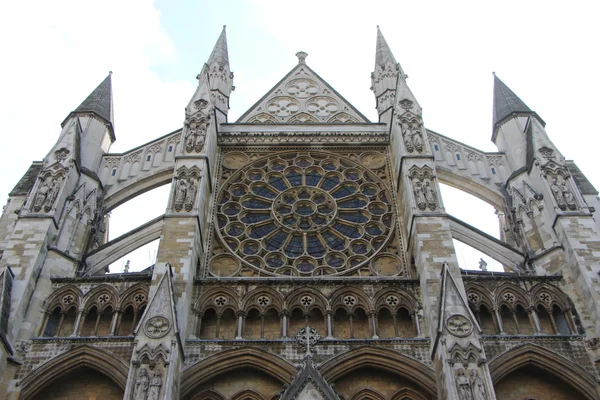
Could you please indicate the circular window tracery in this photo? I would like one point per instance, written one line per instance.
(304, 213)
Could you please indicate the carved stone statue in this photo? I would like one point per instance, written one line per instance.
(430, 196)
(40, 197)
(463, 386)
(420, 196)
(190, 196)
(417, 140)
(155, 385)
(52, 194)
(194, 141)
(180, 194)
(141, 385)
(558, 194)
(479, 391)
(568, 196)
(407, 136)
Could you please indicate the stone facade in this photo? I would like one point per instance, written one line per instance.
(305, 253)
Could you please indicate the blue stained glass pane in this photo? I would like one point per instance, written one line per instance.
(288, 221)
(304, 224)
(278, 166)
(329, 165)
(355, 202)
(295, 247)
(256, 203)
(333, 241)
(274, 261)
(305, 266)
(347, 230)
(318, 220)
(325, 209)
(253, 217)
(276, 241)
(303, 194)
(314, 246)
(374, 230)
(343, 191)
(222, 221)
(278, 183)
(329, 182)
(313, 178)
(263, 191)
(335, 261)
(239, 191)
(294, 178)
(353, 216)
(262, 230)
(234, 230)
(359, 248)
(224, 198)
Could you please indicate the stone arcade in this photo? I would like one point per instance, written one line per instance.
(305, 253)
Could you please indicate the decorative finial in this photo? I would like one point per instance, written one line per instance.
(494, 73)
(301, 57)
(224, 26)
(110, 72)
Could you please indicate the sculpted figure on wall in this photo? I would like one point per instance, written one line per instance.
(46, 194)
(423, 188)
(479, 391)
(194, 141)
(565, 199)
(463, 386)
(141, 385)
(430, 195)
(411, 134)
(186, 189)
(155, 385)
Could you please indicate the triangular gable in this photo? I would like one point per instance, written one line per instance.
(302, 97)
(309, 384)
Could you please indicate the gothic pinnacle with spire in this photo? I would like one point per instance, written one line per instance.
(385, 76)
(99, 102)
(217, 74)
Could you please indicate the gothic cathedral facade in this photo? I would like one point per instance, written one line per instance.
(305, 253)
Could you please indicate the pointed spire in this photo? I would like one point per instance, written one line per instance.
(383, 54)
(506, 102)
(99, 101)
(220, 54)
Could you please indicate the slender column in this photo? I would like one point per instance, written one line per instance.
(194, 333)
(351, 326)
(60, 323)
(553, 322)
(570, 321)
(81, 323)
(135, 321)
(415, 317)
(218, 327)
(284, 324)
(115, 319)
(535, 322)
(199, 326)
(373, 318)
(77, 322)
(499, 321)
(262, 326)
(514, 315)
(329, 324)
(44, 322)
(240, 326)
(395, 319)
(98, 316)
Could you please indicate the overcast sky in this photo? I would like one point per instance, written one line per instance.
(55, 53)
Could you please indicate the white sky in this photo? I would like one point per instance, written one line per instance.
(55, 53)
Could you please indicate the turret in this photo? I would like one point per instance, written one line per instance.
(384, 76)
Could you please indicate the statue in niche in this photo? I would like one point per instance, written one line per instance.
(195, 138)
(155, 385)
(479, 392)
(567, 194)
(417, 139)
(407, 136)
(180, 194)
(190, 195)
(558, 194)
(142, 384)
(420, 196)
(430, 195)
(52, 194)
(41, 195)
(463, 386)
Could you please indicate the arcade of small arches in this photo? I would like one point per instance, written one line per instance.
(100, 312)
(266, 314)
(511, 310)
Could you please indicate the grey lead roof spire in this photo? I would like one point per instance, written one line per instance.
(220, 53)
(99, 101)
(506, 102)
(383, 54)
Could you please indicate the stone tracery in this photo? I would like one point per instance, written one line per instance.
(315, 212)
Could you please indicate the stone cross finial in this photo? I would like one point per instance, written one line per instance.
(301, 57)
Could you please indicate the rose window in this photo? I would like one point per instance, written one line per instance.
(305, 213)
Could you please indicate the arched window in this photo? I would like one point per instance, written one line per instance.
(208, 325)
(341, 326)
(406, 328)
(508, 321)
(126, 324)
(296, 322)
(90, 321)
(253, 325)
(228, 325)
(360, 324)
(52, 324)
(272, 329)
(385, 324)
(486, 321)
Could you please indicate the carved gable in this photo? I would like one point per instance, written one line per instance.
(302, 97)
